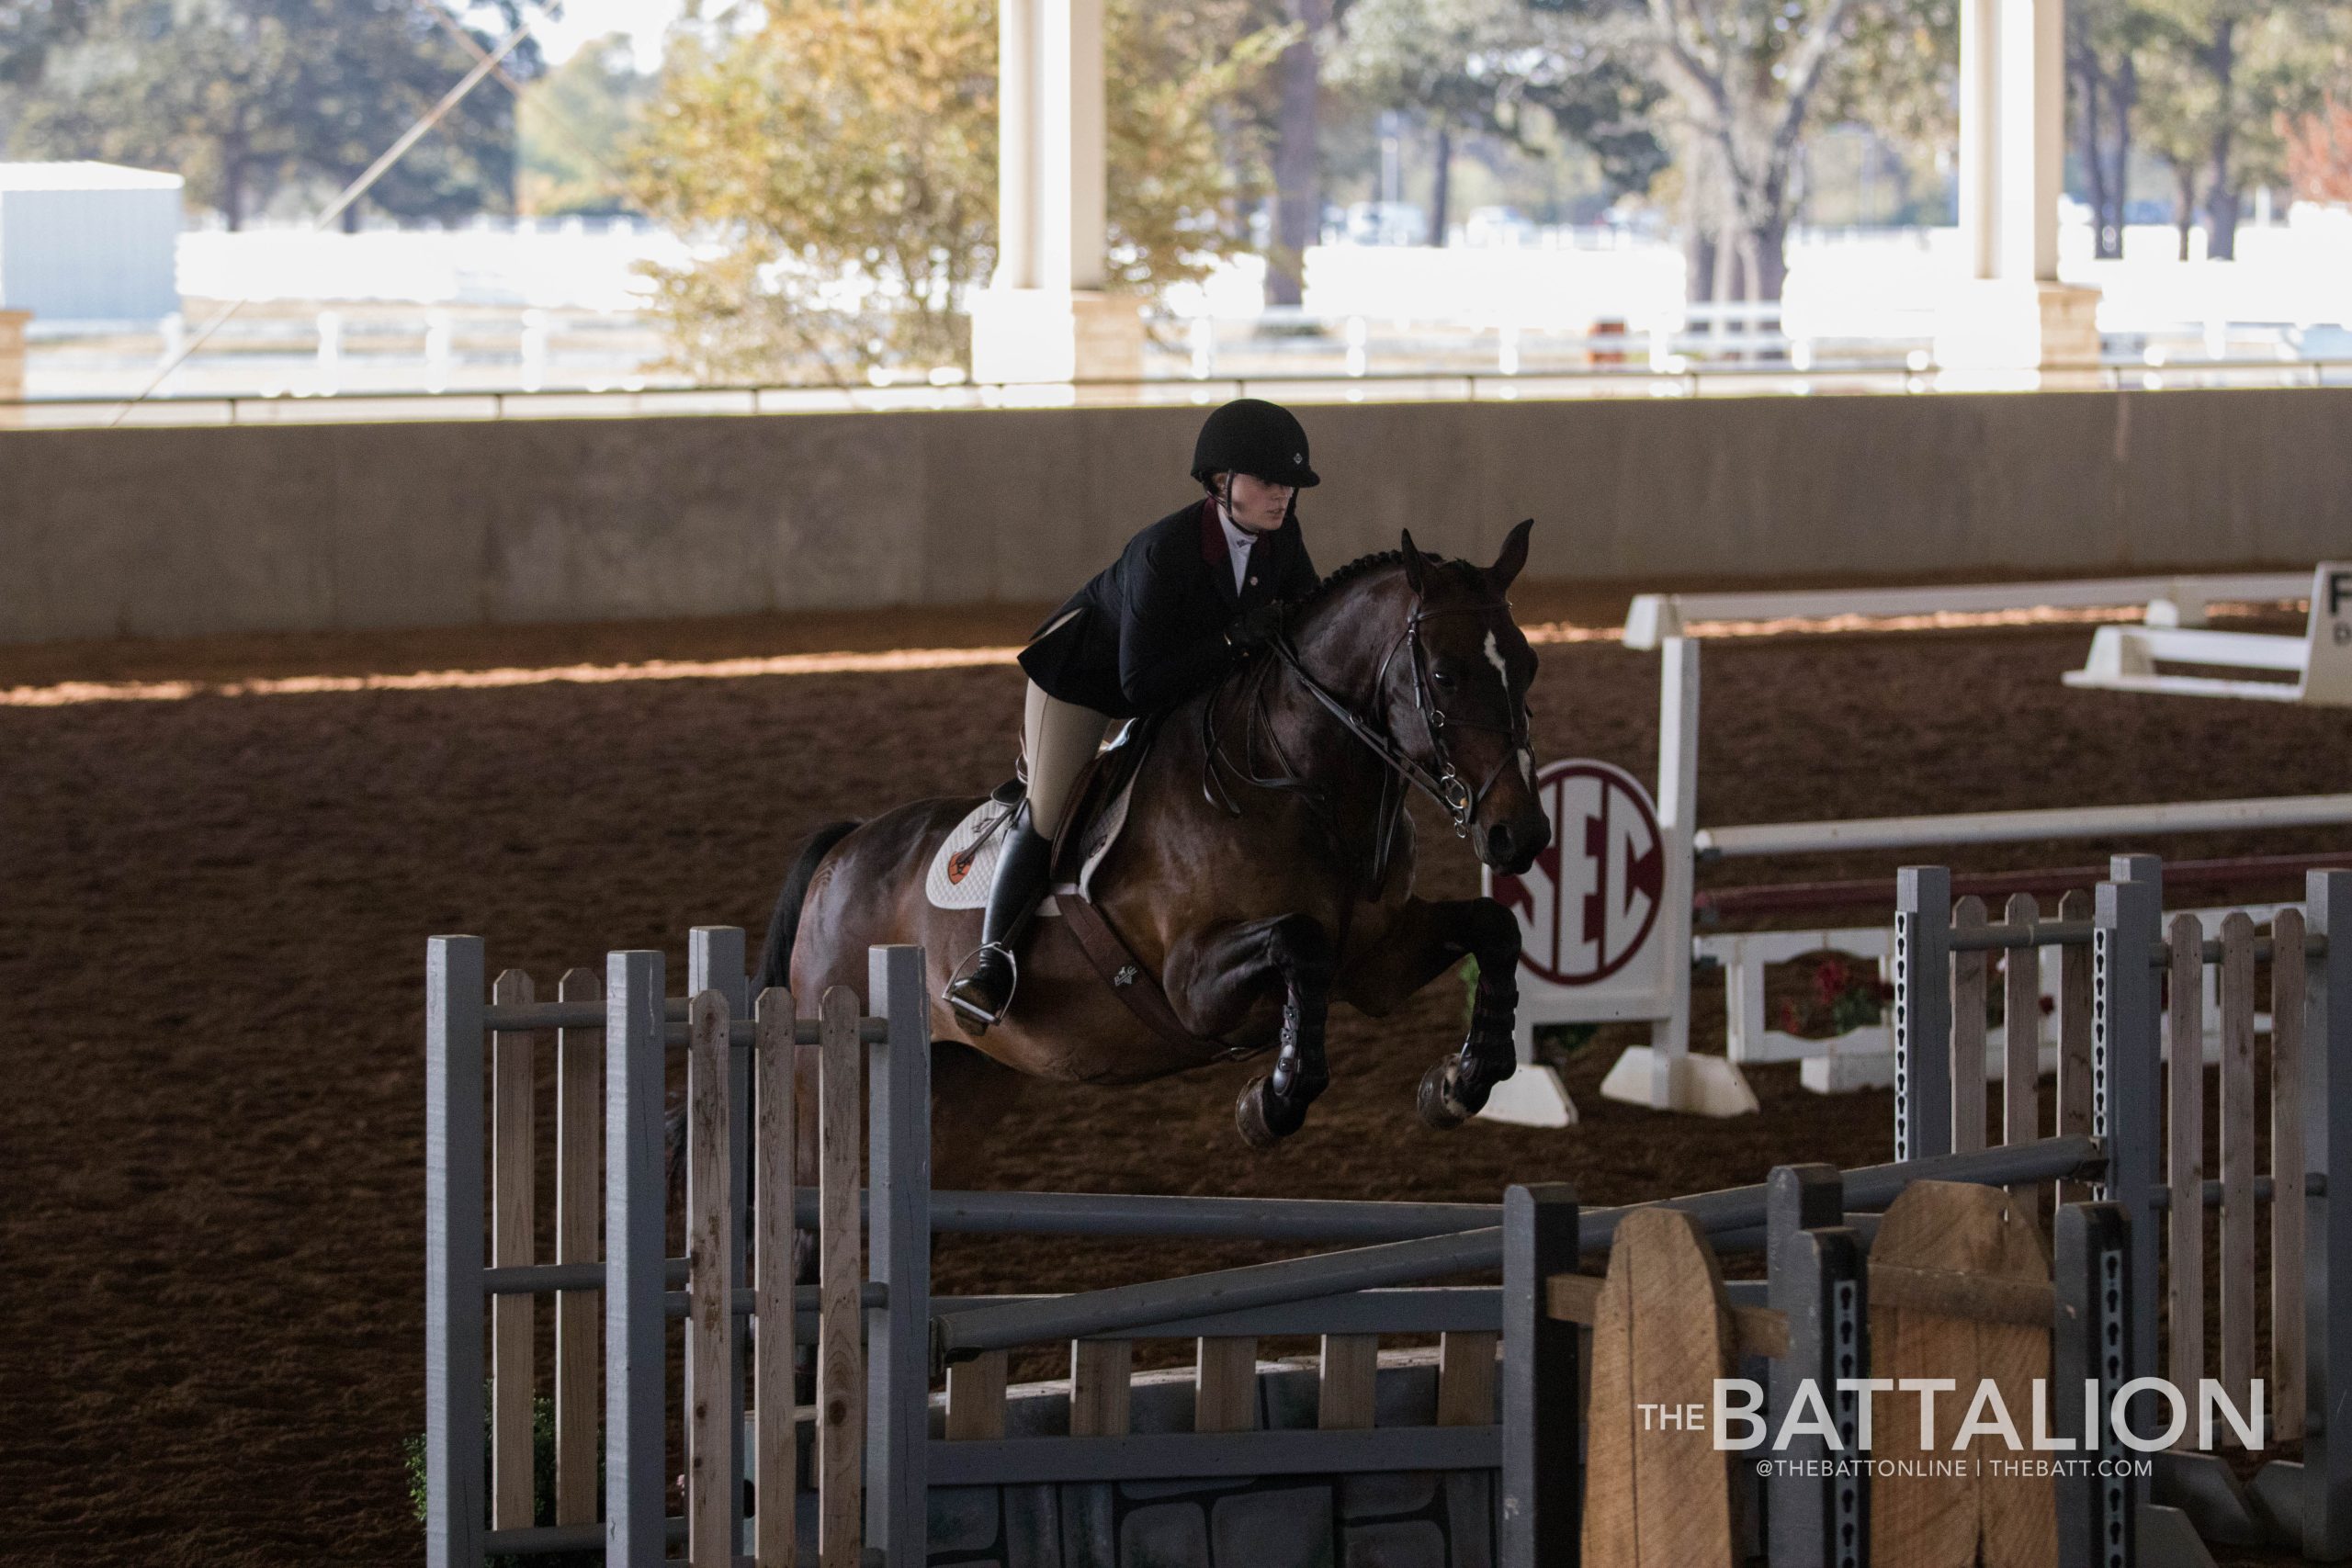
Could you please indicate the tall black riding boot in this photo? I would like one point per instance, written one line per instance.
(982, 987)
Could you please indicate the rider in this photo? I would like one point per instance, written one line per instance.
(1187, 596)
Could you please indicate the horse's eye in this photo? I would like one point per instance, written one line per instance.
(1442, 677)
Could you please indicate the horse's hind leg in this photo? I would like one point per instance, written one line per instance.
(1227, 977)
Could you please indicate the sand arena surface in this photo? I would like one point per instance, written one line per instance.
(213, 934)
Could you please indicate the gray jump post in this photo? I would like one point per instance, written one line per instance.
(2132, 1098)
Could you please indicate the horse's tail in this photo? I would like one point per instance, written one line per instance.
(784, 926)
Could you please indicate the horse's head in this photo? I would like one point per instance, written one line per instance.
(1459, 701)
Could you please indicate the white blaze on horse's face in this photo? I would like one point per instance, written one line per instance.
(1502, 673)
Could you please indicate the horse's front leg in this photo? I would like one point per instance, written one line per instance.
(1215, 981)
(1423, 940)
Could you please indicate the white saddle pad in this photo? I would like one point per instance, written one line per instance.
(956, 882)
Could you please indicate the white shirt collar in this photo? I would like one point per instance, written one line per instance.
(1238, 541)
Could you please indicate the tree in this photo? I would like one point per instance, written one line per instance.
(2319, 153)
(245, 96)
(2219, 78)
(1186, 160)
(2105, 42)
(1746, 73)
(373, 70)
(572, 126)
(1482, 66)
(205, 93)
(30, 30)
(1893, 77)
(838, 168)
(1298, 157)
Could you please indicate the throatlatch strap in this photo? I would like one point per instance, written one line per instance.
(1123, 973)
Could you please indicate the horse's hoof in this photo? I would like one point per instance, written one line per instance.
(1262, 1119)
(1438, 1106)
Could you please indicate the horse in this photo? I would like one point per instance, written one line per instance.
(1265, 866)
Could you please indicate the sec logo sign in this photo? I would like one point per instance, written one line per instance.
(1591, 900)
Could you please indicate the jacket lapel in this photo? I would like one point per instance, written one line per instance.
(1217, 556)
(1269, 564)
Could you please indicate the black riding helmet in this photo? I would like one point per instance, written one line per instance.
(1252, 436)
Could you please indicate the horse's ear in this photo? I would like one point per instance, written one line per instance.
(1508, 565)
(1414, 568)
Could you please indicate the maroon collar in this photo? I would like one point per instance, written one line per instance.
(1215, 546)
(1214, 549)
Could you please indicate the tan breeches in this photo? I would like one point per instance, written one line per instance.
(1058, 738)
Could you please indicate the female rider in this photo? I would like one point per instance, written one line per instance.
(1185, 597)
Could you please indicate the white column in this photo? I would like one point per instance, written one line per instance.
(1077, 180)
(2008, 312)
(2032, 48)
(1019, 172)
(1045, 318)
(1980, 135)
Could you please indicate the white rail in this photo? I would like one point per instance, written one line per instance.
(2024, 827)
(2173, 601)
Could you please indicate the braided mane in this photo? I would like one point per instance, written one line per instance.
(1342, 576)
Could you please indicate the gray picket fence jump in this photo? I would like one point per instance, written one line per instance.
(2129, 1014)
(871, 1318)
(883, 1341)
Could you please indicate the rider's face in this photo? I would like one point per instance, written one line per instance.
(1257, 505)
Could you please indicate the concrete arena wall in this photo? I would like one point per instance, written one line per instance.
(179, 532)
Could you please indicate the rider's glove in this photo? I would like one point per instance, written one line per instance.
(1257, 627)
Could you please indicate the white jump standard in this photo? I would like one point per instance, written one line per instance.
(1601, 838)
(2127, 659)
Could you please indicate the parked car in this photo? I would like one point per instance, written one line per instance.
(1387, 223)
(1499, 226)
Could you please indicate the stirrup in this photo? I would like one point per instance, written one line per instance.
(979, 1017)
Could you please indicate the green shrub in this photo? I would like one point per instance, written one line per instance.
(542, 1485)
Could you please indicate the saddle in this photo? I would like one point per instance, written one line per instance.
(1098, 810)
(1099, 806)
(1097, 815)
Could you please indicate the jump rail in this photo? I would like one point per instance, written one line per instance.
(2171, 601)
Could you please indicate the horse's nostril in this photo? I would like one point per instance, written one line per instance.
(1499, 844)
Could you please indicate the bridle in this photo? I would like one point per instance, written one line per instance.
(1443, 783)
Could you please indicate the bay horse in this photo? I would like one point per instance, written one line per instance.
(1265, 868)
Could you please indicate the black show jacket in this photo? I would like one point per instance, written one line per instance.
(1149, 629)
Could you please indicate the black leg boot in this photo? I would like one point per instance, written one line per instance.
(982, 987)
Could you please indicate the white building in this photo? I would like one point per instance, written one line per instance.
(88, 242)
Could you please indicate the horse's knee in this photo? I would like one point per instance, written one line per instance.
(1301, 951)
(1493, 936)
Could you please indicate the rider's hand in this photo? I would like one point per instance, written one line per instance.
(1257, 627)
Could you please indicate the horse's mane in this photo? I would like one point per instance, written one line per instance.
(1343, 577)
